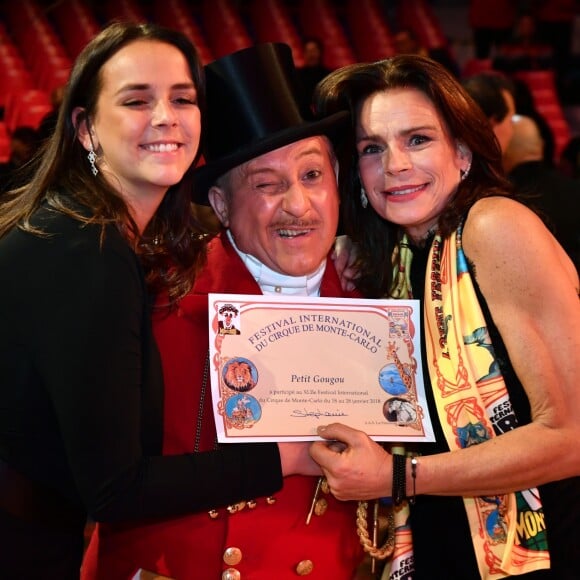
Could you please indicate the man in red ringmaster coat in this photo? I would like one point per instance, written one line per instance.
(272, 185)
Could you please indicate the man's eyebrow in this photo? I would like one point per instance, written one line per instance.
(310, 151)
(258, 170)
(251, 168)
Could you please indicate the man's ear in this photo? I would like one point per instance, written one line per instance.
(81, 123)
(219, 203)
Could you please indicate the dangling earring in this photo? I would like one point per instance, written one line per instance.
(463, 173)
(92, 157)
(364, 200)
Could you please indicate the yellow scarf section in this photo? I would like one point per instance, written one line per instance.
(508, 531)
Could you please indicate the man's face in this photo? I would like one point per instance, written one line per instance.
(282, 207)
(312, 54)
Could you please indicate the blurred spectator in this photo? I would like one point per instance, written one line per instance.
(545, 189)
(500, 97)
(48, 123)
(405, 42)
(16, 171)
(494, 93)
(313, 70)
(492, 22)
(569, 163)
(525, 105)
(524, 50)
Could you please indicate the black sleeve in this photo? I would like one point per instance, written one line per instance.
(91, 339)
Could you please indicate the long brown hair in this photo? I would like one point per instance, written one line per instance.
(170, 249)
(347, 88)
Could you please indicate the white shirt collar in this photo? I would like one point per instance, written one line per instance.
(272, 282)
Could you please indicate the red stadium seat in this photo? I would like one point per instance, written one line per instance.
(4, 143)
(542, 85)
(129, 10)
(474, 66)
(42, 51)
(318, 18)
(25, 108)
(76, 24)
(272, 23)
(418, 16)
(177, 14)
(224, 28)
(363, 16)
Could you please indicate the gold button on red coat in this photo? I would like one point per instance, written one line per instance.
(320, 507)
(304, 568)
(231, 574)
(232, 556)
(236, 507)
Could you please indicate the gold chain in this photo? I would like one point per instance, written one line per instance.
(368, 545)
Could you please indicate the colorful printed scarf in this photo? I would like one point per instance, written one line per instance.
(508, 531)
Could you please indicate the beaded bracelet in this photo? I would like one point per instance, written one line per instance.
(414, 463)
(399, 478)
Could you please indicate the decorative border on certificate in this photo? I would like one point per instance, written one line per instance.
(282, 366)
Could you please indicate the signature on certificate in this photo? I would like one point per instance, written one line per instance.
(317, 414)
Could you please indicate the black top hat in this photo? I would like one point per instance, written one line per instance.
(254, 106)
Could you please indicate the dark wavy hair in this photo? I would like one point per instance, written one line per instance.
(345, 89)
(169, 248)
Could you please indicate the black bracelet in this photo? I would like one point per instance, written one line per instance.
(399, 478)
(414, 463)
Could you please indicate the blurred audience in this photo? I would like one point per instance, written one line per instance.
(491, 22)
(547, 190)
(525, 105)
(555, 19)
(313, 70)
(500, 97)
(494, 93)
(522, 148)
(405, 42)
(524, 49)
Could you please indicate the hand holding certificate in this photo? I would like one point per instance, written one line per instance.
(280, 367)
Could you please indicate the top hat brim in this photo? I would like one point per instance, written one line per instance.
(205, 176)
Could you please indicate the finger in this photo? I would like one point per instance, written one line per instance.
(319, 453)
(339, 432)
(336, 446)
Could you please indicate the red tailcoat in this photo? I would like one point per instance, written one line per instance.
(272, 538)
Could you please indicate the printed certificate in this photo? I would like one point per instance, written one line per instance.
(282, 366)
